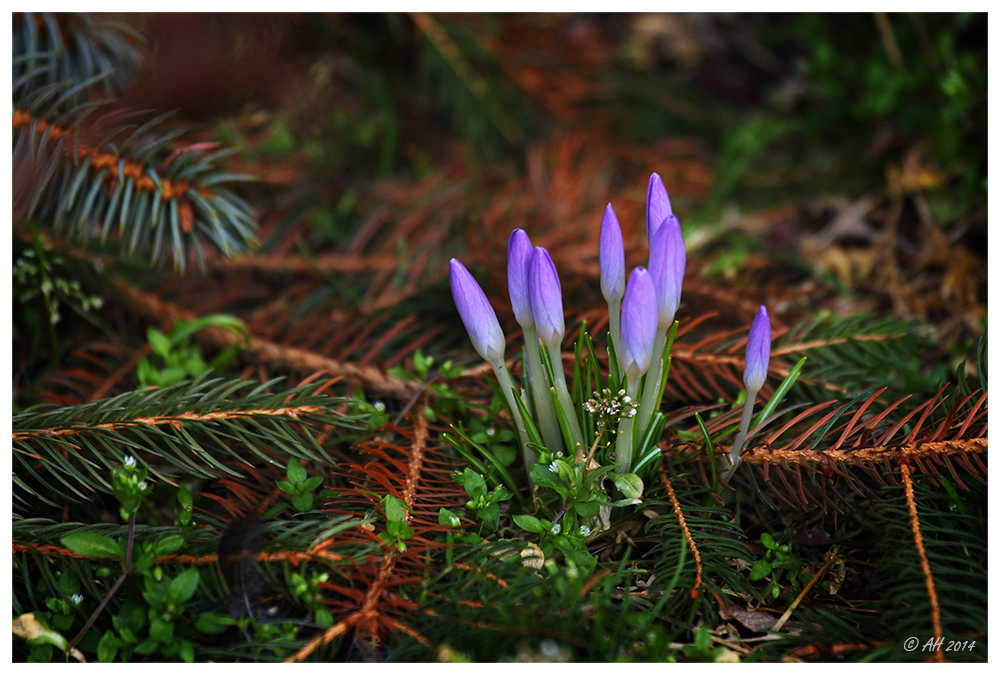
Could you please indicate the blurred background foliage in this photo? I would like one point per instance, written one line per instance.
(849, 147)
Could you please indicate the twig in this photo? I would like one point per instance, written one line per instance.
(918, 540)
(791, 608)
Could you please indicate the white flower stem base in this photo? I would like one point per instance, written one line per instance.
(507, 387)
(555, 356)
(614, 327)
(623, 446)
(547, 421)
(651, 392)
(734, 453)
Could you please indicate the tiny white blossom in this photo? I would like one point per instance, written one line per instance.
(129, 461)
(557, 528)
(379, 406)
(77, 599)
(491, 432)
(553, 467)
(454, 521)
(142, 485)
(627, 399)
(584, 531)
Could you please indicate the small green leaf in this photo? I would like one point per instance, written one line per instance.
(543, 477)
(211, 623)
(159, 343)
(529, 523)
(169, 376)
(169, 545)
(311, 483)
(324, 619)
(296, 472)
(760, 570)
(587, 509)
(302, 502)
(186, 652)
(108, 647)
(184, 586)
(768, 541)
(629, 484)
(92, 545)
(161, 631)
(475, 486)
(285, 486)
(448, 518)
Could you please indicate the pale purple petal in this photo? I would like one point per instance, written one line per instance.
(477, 314)
(518, 260)
(667, 258)
(657, 206)
(638, 323)
(546, 297)
(612, 257)
(758, 351)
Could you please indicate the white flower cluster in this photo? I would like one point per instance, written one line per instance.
(611, 407)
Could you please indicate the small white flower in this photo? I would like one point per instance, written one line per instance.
(557, 528)
(77, 599)
(129, 461)
(491, 432)
(142, 485)
(584, 531)
(454, 521)
(553, 467)
(627, 399)
(621, 392)
(379, 406)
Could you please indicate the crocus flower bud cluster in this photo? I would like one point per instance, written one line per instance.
(641, 314)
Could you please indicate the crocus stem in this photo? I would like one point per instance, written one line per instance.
(651, 392)
(734, 453)
(614, 327)
(623, 446)
(562, 391)
(507, 387)
(547, 420)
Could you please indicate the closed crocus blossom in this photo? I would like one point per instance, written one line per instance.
(477, 314)
(754, 374)
(638, 324)
(666, 266)
(612, 257)
(518, 261)
(657, 206)
(758, 351)
(546, 297)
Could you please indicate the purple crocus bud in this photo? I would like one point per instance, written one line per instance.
(758, 351)
(612, 257)
(546, 297)
(518, 260)
(657, 206)
(638, 323)
(477, 314)
(666, 266)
